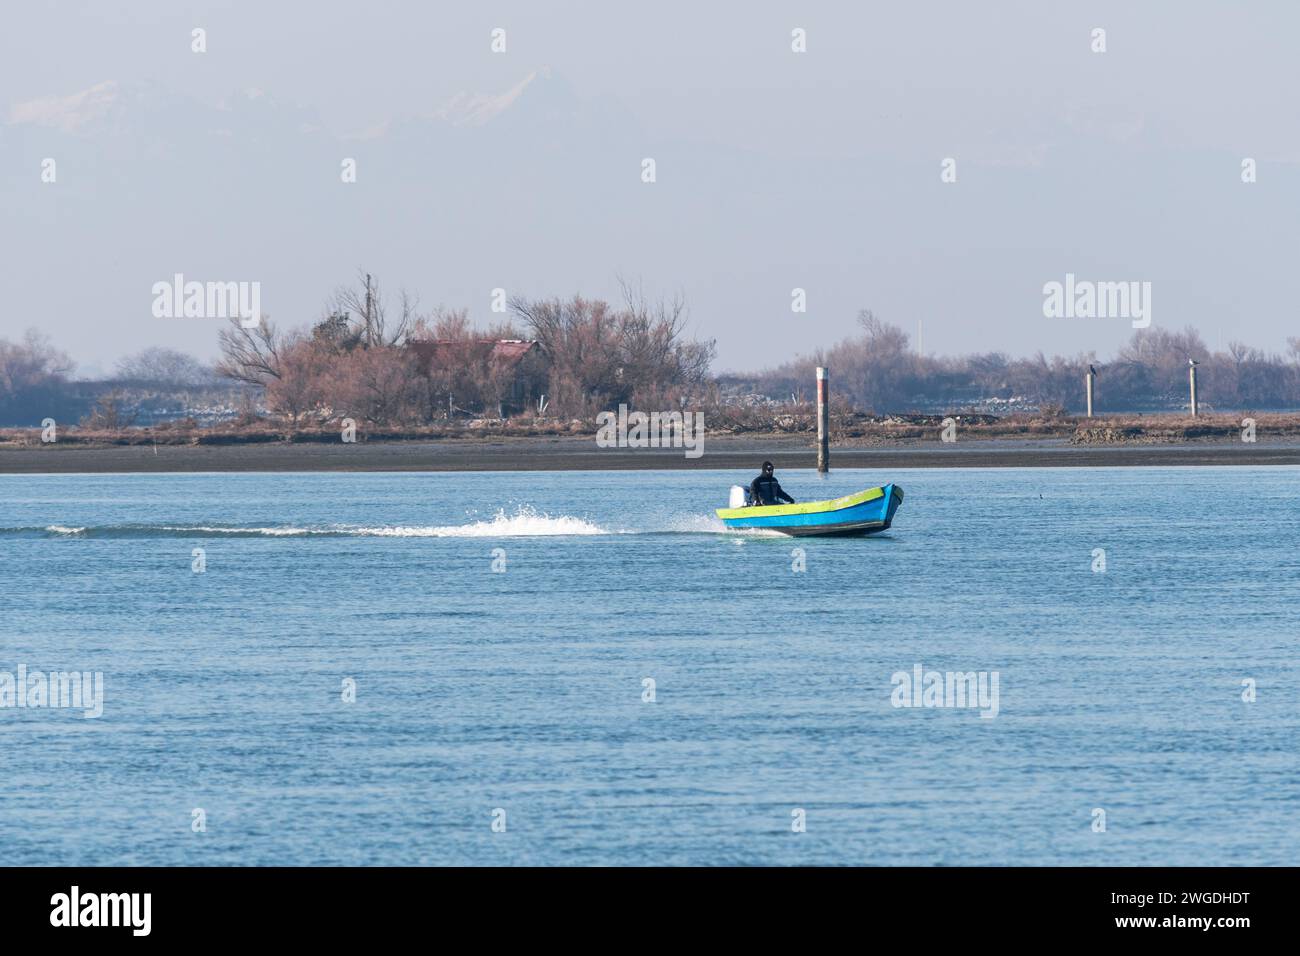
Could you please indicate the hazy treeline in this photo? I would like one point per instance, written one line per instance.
(877, 370)
(388, 363)
(34, 380)
(155, 384)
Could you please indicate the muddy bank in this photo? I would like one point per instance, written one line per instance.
(574, 453)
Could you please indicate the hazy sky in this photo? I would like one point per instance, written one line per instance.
(775, 170)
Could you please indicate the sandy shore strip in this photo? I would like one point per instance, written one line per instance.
(581, 454)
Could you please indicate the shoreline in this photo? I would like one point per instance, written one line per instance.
(581, 454)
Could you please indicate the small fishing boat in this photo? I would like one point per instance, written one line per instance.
(864, 512)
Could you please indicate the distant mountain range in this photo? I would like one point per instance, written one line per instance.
(538, 190)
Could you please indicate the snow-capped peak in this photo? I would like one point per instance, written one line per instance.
(68, 113)
(476, 109)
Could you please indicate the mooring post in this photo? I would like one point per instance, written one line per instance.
(1191, 375)
(823, 421)
(1091, 373)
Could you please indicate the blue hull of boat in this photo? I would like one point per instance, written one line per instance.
(866, 512)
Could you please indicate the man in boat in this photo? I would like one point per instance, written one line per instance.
(766, 490)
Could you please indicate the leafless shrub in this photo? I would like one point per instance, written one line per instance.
(109, 414)
(602, 356)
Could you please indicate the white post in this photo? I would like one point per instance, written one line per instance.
(823, 421)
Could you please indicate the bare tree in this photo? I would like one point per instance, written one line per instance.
(364, 305)
(578, 336)
(1242, 353)
(377, 385)
(601, 356)
(163, 366)
(302, 373)
(881, 337)
(33, 379)
(252, 356)
(441, 325)
(30, 363)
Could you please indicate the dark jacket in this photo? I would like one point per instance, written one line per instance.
(766, 490)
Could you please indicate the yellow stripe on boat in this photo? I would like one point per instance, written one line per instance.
(807, 507)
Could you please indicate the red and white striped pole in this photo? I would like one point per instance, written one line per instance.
(823, 421)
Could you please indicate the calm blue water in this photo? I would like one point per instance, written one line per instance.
(522, 690)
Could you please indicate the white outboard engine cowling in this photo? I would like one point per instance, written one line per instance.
(738, 497)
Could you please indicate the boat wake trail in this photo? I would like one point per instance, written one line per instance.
(524, 523)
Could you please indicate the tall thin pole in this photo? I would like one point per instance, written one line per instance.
(370, 337)
(1090, 393)
(823, 421)
(1191, 374)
